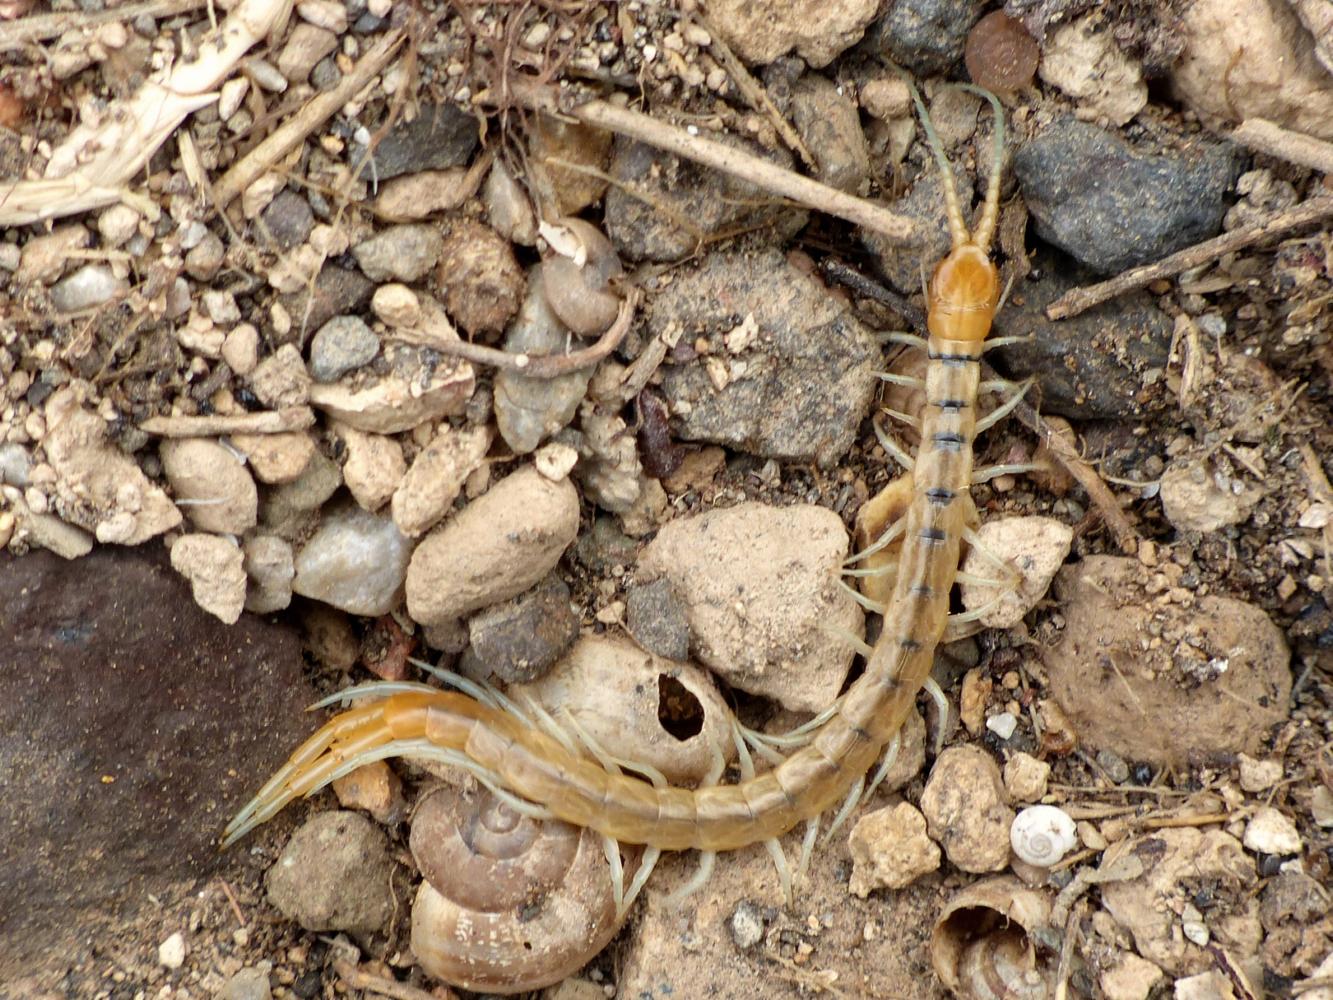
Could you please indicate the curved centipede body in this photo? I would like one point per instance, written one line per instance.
(532, 764)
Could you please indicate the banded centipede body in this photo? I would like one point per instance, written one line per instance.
(542, 770)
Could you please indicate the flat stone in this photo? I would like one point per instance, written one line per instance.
(335, 874)
(431, 485)
(817, 30)
(341, 345)
(400, 253)
(407, 386)
(438, 137)
(128, 753)
(519, 640)
(355, 561)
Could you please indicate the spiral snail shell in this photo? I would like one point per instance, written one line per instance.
(1042, 835)
(982, 946)
(509, 903)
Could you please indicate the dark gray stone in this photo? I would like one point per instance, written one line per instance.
(1112, 208)
(657, 618)
(521, 639)
(343, 344)
(926, 36)
(132, 726)
(1090, 366)
(924, 205)
(337, 290)
(288, 219)
(797, 391)
(440, 136)
(711, 201)
(605, 546)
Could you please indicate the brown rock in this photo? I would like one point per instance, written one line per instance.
(1213, 680)
(967, 809)
(890, 850)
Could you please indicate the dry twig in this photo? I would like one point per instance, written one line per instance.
(1294, 147)
(1079, 300)
(292, 418)
(710, 153)
(359, 979)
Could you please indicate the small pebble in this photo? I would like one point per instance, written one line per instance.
(399, 253)
(341, 345)
(1259, 775)
(376, 789)
(1002, 724)
(355, 561)
(171, 952)
(890, 850)
(248, 984)
(335, 874)
(747, 926)
(1271, 832)
(1025, 777)
(966, 810)
(91, 285)
(1116, 769)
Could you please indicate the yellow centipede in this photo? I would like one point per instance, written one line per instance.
(509, 751)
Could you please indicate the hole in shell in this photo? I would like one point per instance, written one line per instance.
(679, 712)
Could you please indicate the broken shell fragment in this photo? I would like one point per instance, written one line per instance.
(1042, 835)
(579, 273)
(509, 903)
(983, 947)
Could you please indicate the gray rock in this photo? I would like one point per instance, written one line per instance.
(658, 619)
(605, 546)
(923, 204)
(1112, 208)
(132, 724)
(287, 510)
(337, 290)
(15, 464)
(529, 410)
(248, 984)
(288, 219)
(926, 36)
(440, 136)
(519, 640)
(712, 201)
(1090, 366)
(355, 561)
(797, 391)
(341, 345)
(89, 286)
(399, 253)
(830, 124)
(335, 875)
(204, 259)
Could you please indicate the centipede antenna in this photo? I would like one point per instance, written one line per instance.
(848, 804)
(611, 848)
(988, 472)
(990, 216)
(775, 852)
(848, 637)
(807, 848)
(885, 766)
(958, 233)
(887, 537)
(861, 598)
(892, 447)
(941, 701)
(651, 855)
(1002, 411)
(697, 881)
(994, 342)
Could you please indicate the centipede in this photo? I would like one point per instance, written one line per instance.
(541, 769)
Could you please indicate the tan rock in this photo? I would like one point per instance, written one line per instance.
(215, 568)
(43, 258)
(281, 379)
(212, 484)
(1025, 777)
(495, 548)
(268, 564)
(432, 484)
(1034, 548)
(967, 809)
(375, 788)
(374, 468)
(1083, 60)
(98, 487)
(411, 392)
(761, 588)
(1213, 677)
(890, 850)
(759, 31)
(1131, 978)
(276, 458)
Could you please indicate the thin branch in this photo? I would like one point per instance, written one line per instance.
(1078, 300)
(551, 365)
(292, 418)
(710, 153)
(312, 116)
(1294, 147)
(358, 979)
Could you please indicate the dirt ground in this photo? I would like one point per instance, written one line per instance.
(1181, 693)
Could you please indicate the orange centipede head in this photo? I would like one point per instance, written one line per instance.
(964, 293)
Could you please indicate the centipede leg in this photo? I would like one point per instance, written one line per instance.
(651, 855)
(807, 848)
(891, 447)
(774, 848)
(850, 638)
(611, 848)
(885, 765)
(941, 701)
(848, 804)
(861, 598)
(1002, 411)
(697, 881)
(986, 473)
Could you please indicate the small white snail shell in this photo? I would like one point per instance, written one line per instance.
(1042, 835)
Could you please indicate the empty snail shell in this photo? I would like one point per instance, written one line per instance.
(983, 948)
(637, 706)
(578, 275)
(509, 903)
(1042, 835)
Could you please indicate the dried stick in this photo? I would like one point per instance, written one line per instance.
(1294, 147)
(1078, 300)
(710, 153)
(358, 979)
(312, 115)
(551, 365)
(95, 162)
(41, 27)
(292, 418)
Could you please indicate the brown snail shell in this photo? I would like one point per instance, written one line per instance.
(509, 903)
(579, 288)
(983, 947)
